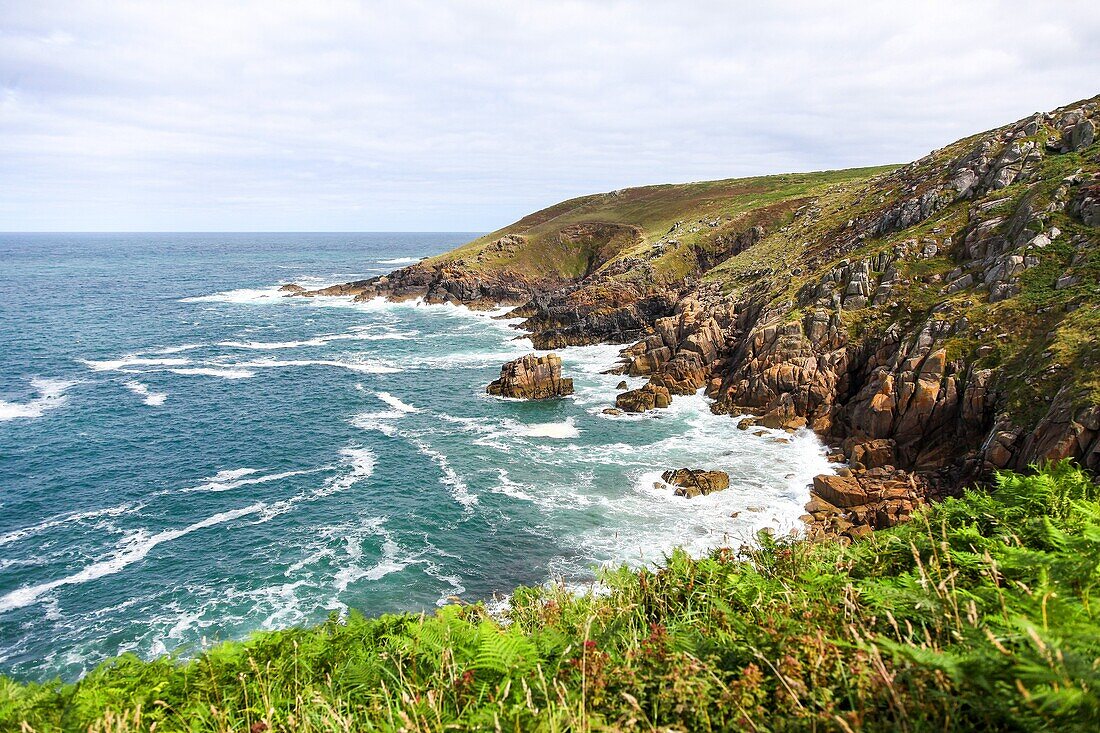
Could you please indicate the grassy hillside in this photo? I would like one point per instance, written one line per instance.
(977, 615)
(646, 215)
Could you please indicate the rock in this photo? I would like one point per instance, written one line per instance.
(531, 377)
(612, 411)
(640, 400)
(840, 491)
(292, 288)
(690, 483)
(1081, 135)
(622, 385)
(863, 500)
(871, 453)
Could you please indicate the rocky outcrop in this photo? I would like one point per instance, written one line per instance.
(690, 482)
(854, 503)
(446, 282)
(648, 397)
(602, 311)
(531, 377)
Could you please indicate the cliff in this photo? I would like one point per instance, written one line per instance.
(935, 321)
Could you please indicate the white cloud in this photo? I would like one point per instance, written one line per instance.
(466, 115)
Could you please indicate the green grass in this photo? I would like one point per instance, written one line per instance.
(650, 211)
(977, 615)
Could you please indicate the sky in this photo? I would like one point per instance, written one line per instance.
(463, 116)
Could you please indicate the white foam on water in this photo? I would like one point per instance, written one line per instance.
(364, 366)
(458, 488)
(561, 430)
(51, 395)
(400, 261)
(132, 360)
(18, 534)
(238, 477)
(393, 559)
(224, 373)
(508, 487)
(357, 335)
(359, 463)
(132, 551)
(270, 294)
(153, 399)
(396, 403)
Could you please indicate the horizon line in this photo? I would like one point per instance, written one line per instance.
(243, 231)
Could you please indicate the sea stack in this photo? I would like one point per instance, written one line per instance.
(531, 377)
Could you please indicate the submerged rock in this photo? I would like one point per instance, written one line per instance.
(690, 482)
(531, 377)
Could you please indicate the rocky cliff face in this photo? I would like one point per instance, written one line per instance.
(934, 322)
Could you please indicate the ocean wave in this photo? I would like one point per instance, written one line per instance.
(153, 399)
(132, 360)
(134, 550)
(18, 534)
(270, 294)
(365, 366)
(51, 395)
(565, 429)
(393, 560)
(396, 403)
(237, 477)
(355, 335)
(458, 488)
(226, 373)
(400, 261)
(360, 463)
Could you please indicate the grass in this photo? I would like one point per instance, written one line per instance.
(651, 211)
(977, 615)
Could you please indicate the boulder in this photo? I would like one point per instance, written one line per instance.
(531, 377)
(646, 398)
(292, 288)
(840, 491)
(690, 482)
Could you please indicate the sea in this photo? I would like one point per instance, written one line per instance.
(187, 455)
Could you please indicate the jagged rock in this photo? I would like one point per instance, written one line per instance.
(690, 483)
(874, 453)
(531, 377)
(864, 500)
(641, 400)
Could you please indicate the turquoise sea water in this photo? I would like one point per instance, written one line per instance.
(186, 456)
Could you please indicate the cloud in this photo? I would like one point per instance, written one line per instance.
(465, 115)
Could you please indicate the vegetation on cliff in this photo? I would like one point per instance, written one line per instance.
(977, 615)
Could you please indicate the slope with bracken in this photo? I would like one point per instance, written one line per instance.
(934, 321)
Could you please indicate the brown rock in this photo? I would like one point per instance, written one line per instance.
(531, 377)
(292, 288)
(871, 453)
(841, 491)
(646, 398)
(690, 483)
